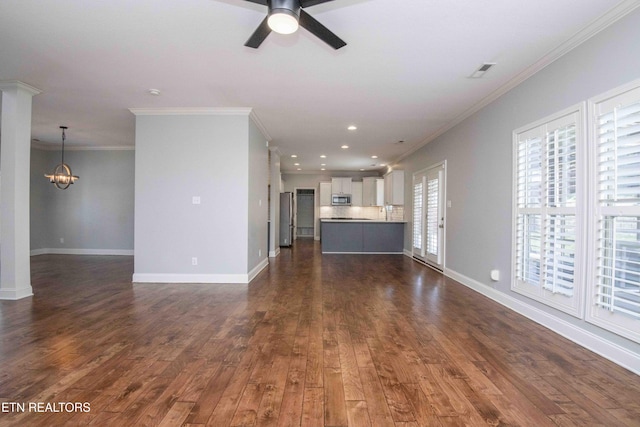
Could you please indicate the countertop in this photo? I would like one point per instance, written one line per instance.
(361, 220)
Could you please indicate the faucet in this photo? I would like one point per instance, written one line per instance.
(387, 212)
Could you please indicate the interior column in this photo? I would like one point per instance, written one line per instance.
(15, 157)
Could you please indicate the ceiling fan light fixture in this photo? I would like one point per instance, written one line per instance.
(283, 21)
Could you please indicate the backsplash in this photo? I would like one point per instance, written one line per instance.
(369, 212)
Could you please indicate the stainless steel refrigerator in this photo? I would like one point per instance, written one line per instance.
(286, 219)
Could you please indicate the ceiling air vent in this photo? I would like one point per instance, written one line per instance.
(482, 70)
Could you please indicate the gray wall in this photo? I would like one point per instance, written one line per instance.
(258, 207)
(40, 230)
(478, 153)
(275, 180)
(182, 156)
(93, 215)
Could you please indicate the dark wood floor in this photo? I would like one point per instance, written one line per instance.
(314, 340)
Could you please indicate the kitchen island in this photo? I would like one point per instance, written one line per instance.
(353, 236)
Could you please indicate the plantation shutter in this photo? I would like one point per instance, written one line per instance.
(418, 214)
(433, 214)
(545, 222)
(617, 281)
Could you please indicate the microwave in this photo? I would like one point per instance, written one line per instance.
(341, 199)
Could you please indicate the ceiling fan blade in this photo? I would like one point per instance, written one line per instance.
(309, 3)
(262, 2)
(259, 34)
(320, 31)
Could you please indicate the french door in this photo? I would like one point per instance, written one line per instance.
(429, 215)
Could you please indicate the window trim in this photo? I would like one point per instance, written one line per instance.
(576, 305)
(593, 314)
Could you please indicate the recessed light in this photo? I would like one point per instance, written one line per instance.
(352, 127)
(154, 92)
(383, 164)
(294, 156)
(299, 169)
(362, 169)
(344, 147)
(322, 169)
(323, 164)
(322, 156)
(374, 157)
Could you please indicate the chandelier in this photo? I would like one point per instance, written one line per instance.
(62, 176)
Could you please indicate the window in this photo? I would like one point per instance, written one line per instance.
(433, 214)
(615, 178)
(417, 214)
(547, 247)
(574, 217)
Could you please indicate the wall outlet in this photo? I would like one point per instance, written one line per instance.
(194, 261)
(62, 240)
(259, 252)
(195, 200)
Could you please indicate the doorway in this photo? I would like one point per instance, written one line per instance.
(305, 213)
(429, 189)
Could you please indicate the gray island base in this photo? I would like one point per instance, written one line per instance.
(361, 236)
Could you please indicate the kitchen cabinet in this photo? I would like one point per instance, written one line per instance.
(362, 236)
(356, 194)
(394, 188)
(341, 185)
(372, 191)
(325, 194)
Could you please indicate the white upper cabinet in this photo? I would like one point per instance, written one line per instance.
(394, 188)
(341, 185)
(356, 194)
(325, 194)
(372, 191)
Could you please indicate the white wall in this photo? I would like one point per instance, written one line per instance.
(179, 157)
(478, 153)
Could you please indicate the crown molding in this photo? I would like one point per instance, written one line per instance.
(613, 15)
(17, 84)
(256, 120)
(275, 150)
(205, 111)
(50, 147)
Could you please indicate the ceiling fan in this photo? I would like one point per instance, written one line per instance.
(284, 16)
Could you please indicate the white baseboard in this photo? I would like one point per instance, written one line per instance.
(189, 278)
(607, 349)
(273, 254)
(16, 294)
(200, 278)
(64, 251)
(258, 268)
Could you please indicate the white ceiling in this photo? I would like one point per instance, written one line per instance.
(404, 74)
